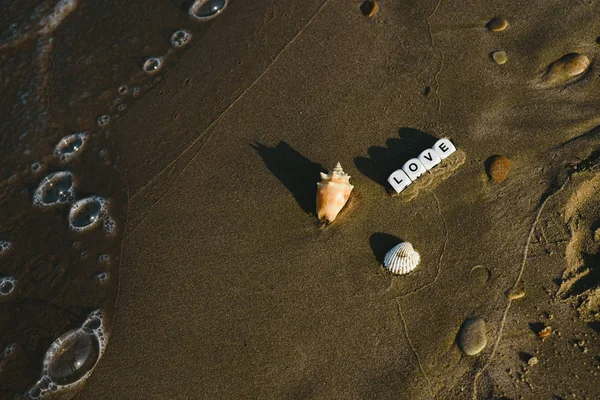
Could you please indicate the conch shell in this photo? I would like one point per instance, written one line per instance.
(401, 259)
(332, 193)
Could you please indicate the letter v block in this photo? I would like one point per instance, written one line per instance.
(399, 180)
(429, 158)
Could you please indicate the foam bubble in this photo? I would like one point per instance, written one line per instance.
(8, 350)
(70, 145)
(122, 107)
(152, 64)
(103, 120)
(181, 38)
(88, 213)
(136, 91)
(123, 90)
(7, 285)
(101, 277)
(104, 259)
(109, 225)
(71, 358)
(204, 10)
(55, 188)
(4, 246)
(35, 167)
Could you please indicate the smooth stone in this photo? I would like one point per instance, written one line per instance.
(444, 148)
(414, 169)
(472, 337)
(497, 24)
(399, 180)
(369, 8)
(566, 68)
(516, 294)
(500, 57)
(429, 158)
(499, 168)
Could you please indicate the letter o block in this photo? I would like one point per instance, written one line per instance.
(414, 168)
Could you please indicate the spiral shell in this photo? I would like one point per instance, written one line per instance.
(332, 193)
(401, 259)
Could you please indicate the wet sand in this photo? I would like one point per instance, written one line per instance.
(230, 288)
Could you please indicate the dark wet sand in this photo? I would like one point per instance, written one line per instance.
(230, 289)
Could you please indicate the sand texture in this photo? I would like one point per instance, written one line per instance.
(229, 287)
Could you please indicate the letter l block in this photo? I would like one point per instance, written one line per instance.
(399, 180)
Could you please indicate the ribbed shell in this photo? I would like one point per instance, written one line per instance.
(401, 259)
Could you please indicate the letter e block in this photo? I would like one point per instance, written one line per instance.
(444, 148)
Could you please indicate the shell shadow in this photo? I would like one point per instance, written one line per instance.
(382, 161)
(297, 173)
(381, 243)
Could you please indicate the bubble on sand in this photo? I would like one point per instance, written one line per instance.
(72, 357)
(123, 90)
(36, 166)
(7, 285)
(55, 188)
(136, 91)
(101, 277)
(122, 107)
(103, 120)
(109, 225)
(4, 246)
(181, 38)
(104, 259)
(8, 350)
(152, 64)
(70, 145)
(204, 10)
(86, 214)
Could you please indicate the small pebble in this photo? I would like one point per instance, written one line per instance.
(369, 8)
(566, 68)
(499, 167)
(497, 24)
(500, 57)
(472, 337)
(532, 361)
(516, 294)
(544, 333)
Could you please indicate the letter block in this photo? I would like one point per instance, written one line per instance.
(399, 180)
(414, 169)
(444, 148)
(429, 158)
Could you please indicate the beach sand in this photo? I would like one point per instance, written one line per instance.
(229, 286)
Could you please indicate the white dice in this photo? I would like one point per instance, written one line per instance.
(399, 180)
(415, 167)
(429, 158)
(444, 148)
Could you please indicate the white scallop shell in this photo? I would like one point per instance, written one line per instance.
(401, 259)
